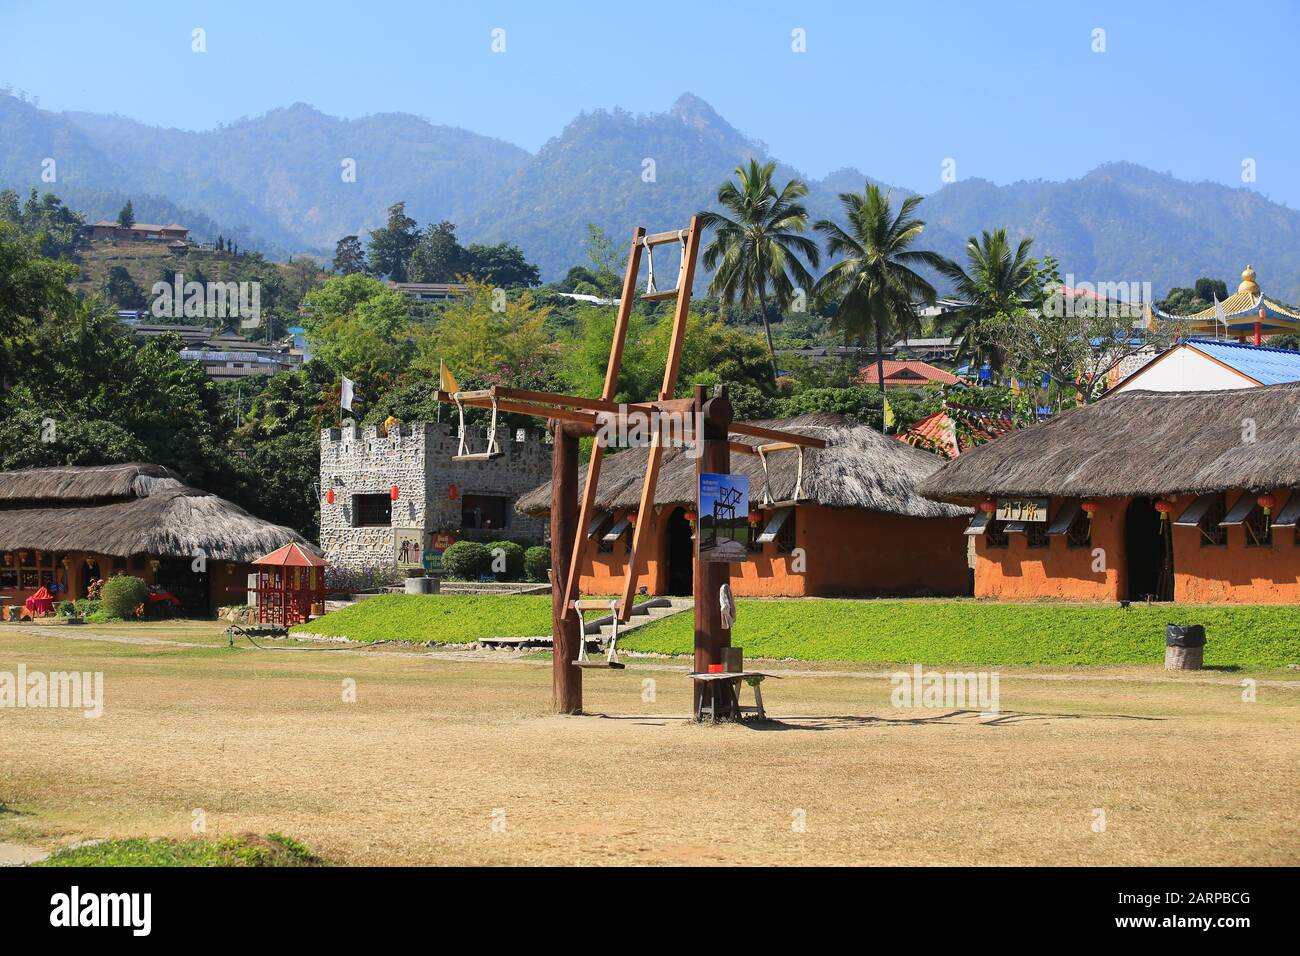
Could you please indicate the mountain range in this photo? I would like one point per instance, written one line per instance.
(279, 182)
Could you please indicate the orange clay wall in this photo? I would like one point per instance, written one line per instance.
(1019, 572)
(846, 550)
(1235, 572)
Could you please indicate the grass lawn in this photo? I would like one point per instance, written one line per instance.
(274, 849)
(448, 619)
(971, 632)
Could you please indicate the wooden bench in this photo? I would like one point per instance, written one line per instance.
(720, 694)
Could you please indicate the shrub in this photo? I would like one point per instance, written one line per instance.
(85, 606)
(122, 595)
(513, 553)
(467, 560)
(65, 609)
(537, 561)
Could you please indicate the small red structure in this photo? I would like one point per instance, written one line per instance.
(289, 581)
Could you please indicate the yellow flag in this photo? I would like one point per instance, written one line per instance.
(447, 381)
(889, 414)
(1015, 387)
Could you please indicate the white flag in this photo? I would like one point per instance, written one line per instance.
(345, 399)
(1218, 312)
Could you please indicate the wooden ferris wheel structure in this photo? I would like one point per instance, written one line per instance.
(708, 423)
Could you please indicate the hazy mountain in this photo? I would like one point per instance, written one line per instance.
(275, 182)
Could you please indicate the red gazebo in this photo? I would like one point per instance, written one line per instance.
(289, 581)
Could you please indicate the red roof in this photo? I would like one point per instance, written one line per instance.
(910, 372)
(938, 432)
(293, 556)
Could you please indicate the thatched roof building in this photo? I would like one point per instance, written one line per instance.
(1139, 443)
(1184, 496)
(126, 510)
(856, 526)
(860, 468)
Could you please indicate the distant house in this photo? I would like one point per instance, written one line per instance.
(140, 232)
(955, 429)
(1207, 365)
(429, 291)
(906, 374)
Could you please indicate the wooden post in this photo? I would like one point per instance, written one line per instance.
(709, 576)
(566, 630)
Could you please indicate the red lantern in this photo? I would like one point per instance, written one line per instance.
(329, 497)
(1090, 507)
(1164, 507)
(631, 518)
(755, 517)
(988, 506)
(394, 492)
(1267, 502)
(453, 491)
(691, 516)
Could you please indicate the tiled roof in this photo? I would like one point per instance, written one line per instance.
(899, 372)
(1268, 366)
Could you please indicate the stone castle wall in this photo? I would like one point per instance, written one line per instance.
(417, 459)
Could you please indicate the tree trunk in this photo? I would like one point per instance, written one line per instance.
(880, 377)
(771, 349)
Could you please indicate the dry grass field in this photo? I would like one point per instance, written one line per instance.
(438, 746)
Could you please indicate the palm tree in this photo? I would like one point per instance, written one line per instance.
(996, 281)
(756, 251)
(874, 282)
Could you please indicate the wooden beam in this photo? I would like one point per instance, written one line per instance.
(615, 365)
(741, 448)
(644, 516)
(677, 405)
(757, 431)
(678, 340)
(566, 630)
(673, 235)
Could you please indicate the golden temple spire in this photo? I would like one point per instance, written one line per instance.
(1248, 283)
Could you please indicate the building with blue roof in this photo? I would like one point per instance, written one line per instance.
(1205, 365)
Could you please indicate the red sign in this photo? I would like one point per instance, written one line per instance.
(453, 492)
(442, 540)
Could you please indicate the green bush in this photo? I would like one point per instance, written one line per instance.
(467, 560)
(537, 561)
(65, 609)
(513, 552)
(85, 606)
(122, 595)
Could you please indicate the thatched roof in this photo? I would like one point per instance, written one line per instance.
(1142, 444)
(860, 469)
(125, 510)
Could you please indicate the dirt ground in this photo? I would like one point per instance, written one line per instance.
(450, 758)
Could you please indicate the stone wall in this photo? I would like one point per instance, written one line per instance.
(417, 459)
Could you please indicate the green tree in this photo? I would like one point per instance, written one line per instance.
(122, 290)
(756, 249)
(392, 244)
(503, 265)
(360, 328)
(874, 283)
(126, 218)
(438, 256)
(349, 257)
(997, 280)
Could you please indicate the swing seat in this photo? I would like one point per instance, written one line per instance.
(478, 456)
(493, 450)
(659, 296)
(600, 665)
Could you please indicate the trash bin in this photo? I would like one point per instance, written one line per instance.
(421, 585)
(1184, 647)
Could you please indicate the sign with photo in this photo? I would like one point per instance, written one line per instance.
(1022, 509)
(439, 541)
(408, 547)
(722, 519)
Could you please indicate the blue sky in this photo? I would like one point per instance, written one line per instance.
(1009, 90)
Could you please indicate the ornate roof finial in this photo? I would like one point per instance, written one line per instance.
(1248, 283)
